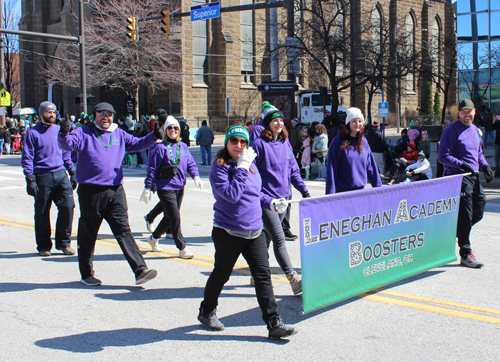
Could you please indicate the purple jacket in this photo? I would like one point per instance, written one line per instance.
(100, 158)
(458, 144)
(256, 131)
(238, 198)
(41, 152)
(349, 169)
(159, 157)
(278, 168)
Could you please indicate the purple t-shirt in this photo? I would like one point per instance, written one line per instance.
(458, 144)
(160, 157)
(278, 168)
(41, 152)
(238, 198)
(349, 169)
(100, 153)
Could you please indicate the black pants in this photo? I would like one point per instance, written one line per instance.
(439, 169)
(171, 201)
(157, 210)
(418, 177)
(109, 203)
(53, 187)
(397, 166)
(227, 250)
(472, 202)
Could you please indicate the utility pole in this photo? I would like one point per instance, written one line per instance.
(2, 64)
(83, 70)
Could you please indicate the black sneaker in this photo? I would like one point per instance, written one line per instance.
(289, 236)
(211, 321)
(146, 275)
(277, 329)
(91, 281)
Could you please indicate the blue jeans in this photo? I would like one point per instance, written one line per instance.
(144, 157)
(206, 154)
(491, 133)
(497, 157)
(1, 146)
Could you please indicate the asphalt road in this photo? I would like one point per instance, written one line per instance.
(445, 314)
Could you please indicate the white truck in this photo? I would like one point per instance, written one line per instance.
(310, 104)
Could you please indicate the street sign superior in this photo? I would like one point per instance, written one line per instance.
(205, 11)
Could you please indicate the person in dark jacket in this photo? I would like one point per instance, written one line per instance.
(378, 145)
(205, 138)
(488, 130)
(402, 143)
(496, 126)
(185, 132)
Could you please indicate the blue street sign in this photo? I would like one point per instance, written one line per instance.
(205, 11)
(383, 109)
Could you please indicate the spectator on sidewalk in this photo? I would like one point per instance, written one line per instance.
(439, 165)
(496, 126)
(205, 138)
(487, 123)
(378, 145)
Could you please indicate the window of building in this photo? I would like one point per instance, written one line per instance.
(247, 44)
(377, 28)
(199, 47)
(495, 24)
(435, 46)
(410, 48)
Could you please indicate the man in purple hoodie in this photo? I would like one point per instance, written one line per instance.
(460, 151)
(44, 165)
(101, 146)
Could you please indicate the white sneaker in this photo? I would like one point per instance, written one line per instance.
(149, 225)
(153, 242)
(185, 254)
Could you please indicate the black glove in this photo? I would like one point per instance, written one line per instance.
(466, 167)
(153, 190)
(65, 126)
(305, 195)
(488, 174)
(31, 186)
(72, 179)
(158, 132)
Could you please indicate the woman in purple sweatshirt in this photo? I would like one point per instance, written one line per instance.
(236, 186)
(350, 160)
(278, 169)
(168, 164)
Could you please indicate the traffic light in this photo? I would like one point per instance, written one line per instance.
(166, 21)
(132, 28)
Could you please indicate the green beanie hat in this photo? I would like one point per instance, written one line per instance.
(237, 131)
(269, 112)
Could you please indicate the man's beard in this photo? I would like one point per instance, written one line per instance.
(48, 119)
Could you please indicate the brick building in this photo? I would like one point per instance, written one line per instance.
(229, 57)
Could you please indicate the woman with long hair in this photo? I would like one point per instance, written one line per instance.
(279, 170)
(168, 164)
(350, 161)
(237, 230)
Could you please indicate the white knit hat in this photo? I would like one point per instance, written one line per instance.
(352, 113)
(171, 121)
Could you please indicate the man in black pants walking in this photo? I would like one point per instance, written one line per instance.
(44, 165)
(101, 146)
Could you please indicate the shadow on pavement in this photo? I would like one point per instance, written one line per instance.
(96, 341)
(24, 287)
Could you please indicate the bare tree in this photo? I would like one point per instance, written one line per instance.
(114, 60)
(443, 67)
(11, 53)
(474, 75)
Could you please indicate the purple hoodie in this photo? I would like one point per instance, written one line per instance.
(349, 169)
(460, 143)
(100, 160)
(160, 157)
(238, 198)
(278, 168)
(41, 152)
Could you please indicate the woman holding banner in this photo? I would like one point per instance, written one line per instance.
(350, 159)
(278, 169)
(236, 186)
